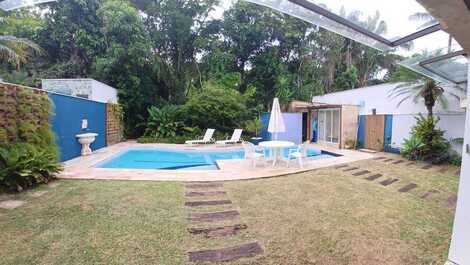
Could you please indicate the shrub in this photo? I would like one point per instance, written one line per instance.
(215, 107)
(254, 126)
(434, 147)
(24, 165)
(412, 148)
(163, 122)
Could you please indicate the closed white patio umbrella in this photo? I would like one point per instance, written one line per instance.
(276, 122)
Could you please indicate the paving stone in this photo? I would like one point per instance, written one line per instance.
(410, 163)
(218, 231)
(11, 204)
(204, 185)
(53, 184)
(388, 182)
(207, 203)
(428, 166)
(214, 217)
(398, 162)
(408, 187)
(341, 166)
(374, 177)
(360, 173)
(452, 201)
(388, 160)
(205, 193)
(379, 158)
(428, 194)
(38, 194)
(350, 169)
(226, 254)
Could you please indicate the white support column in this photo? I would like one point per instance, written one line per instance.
(459, 252)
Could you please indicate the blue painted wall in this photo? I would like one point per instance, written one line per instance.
(388, 131)
(66, 123)
(293, 123)
(361, 131)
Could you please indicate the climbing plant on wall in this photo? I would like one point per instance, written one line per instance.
(28, 153)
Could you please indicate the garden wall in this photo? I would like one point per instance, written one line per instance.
(67, 121)
(113, 124)
(23, 115)
(293, 123)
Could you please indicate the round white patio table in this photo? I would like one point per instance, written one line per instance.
(275, 148)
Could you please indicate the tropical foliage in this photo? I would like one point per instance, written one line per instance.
(163, 122)
(427, 142)
(165, 52)
(423, 89)
(24, 165)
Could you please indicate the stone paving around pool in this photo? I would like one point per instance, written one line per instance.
(206, 224)
(235, 169)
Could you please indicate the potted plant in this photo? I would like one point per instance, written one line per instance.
(254, 127)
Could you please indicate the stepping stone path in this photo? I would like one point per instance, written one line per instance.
(410, 163)
(350, 169)
(204, 185)
(408, 187)
(374, 177)
(388, 160)
(207, 203)
(452, 201)
(218, 231)
(427, 195)
(341, 166)
(388, 182)
(11, 204)
(205, 193)
(427, 166)
(245, 250)
(38, 194)
(398, 162)
(360, 173)
(226, 254)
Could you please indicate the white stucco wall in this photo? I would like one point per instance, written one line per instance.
(84, 87)
(103, 93)
(460, 246)
(378, 97)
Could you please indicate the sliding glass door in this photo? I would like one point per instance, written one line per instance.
(329, 125)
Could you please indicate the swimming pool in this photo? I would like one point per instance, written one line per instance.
(174, 159)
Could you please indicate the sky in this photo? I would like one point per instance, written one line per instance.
(395, 13)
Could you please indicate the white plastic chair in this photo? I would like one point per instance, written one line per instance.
(299, 153)
(237, 134)
(250, 153)
(207, 139)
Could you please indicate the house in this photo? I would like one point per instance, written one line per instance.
(383, 123)
(82, 87)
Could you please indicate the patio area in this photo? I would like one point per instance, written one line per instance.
(334, 215)
(234, 169)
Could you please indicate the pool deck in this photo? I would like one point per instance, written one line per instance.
(238, 169)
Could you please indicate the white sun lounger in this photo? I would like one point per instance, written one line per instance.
(207, 139)
(237, 134)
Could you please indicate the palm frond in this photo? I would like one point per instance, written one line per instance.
(10, 55)
(21, 42)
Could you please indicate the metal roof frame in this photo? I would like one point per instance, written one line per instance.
(338, 19)
(425, 64)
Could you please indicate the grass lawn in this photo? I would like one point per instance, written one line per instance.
(325, 216)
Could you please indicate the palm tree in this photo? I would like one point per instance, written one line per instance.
(427, 89)
(429, 21)
(15, 50)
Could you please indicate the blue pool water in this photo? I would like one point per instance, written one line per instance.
(170, 159)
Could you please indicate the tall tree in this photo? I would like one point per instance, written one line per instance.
(126, 61)
(177, 28)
